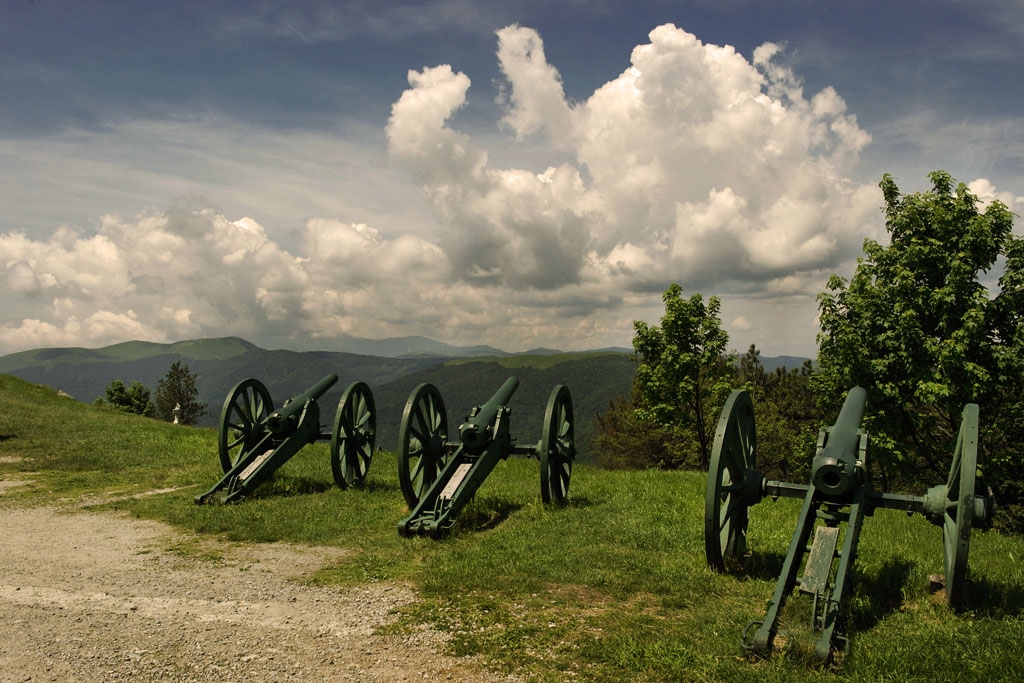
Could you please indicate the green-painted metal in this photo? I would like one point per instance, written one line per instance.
(439, 477)
(254, 440)
(835, 504)
(836, 469)
(353, 436)
(733, 485)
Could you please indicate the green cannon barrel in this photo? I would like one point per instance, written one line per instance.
(478, 429)
(834, 470)
(284, 420)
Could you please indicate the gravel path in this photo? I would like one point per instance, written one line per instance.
(104, 597)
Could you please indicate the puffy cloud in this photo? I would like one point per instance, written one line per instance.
(542, 105)
(416, 132)
(182, 273)
(508, 226)
(694, 164)
(987, 193)
(740, 323)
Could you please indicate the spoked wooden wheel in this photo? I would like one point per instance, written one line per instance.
(558, 447)
(241, 420)
(958, 515)
(421, 442)
(355, 431)
(727, 500)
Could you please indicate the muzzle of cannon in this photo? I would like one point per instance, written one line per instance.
(839, 495)
(254, 440)
(836, 469)
(439, 477)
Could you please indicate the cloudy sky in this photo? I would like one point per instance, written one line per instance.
(515, 173)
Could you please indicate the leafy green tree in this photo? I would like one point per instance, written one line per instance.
(918, 329)
(683, 373)
(134, 399)
(178, 390)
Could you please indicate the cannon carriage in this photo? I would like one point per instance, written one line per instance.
(837, 499)
(254, 440)
(438, 477)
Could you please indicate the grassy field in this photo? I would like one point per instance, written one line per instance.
(611, 587)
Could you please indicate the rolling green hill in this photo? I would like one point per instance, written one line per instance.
(593, 378)
(218, 363)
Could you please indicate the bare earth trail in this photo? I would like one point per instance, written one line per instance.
(89, 596)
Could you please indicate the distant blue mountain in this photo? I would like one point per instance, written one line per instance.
(392, 367)
(406, 347)
(772, 362)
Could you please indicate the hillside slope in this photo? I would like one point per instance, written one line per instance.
(593, 378)
(219, 364)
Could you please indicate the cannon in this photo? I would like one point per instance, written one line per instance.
(439, 477)
(839, 494)
(254, 440)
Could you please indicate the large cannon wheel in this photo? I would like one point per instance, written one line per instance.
(421, 442)
(558, 447)
(355, 431)
(726, 503)
(242, 420)
(958, 513)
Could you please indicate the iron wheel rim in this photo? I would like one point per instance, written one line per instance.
(242, 420)
(421, 440)
(726, 511)
(958, 509)
(353, 436)
(558, 447)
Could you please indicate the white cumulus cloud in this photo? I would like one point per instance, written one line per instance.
(695, 165)
(184, 273)
(987, 193)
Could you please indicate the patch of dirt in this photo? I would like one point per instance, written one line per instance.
(10, 484)
(103, 597)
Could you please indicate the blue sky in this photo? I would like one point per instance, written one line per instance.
(519, 174)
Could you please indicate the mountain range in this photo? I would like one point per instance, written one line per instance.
(393, 368)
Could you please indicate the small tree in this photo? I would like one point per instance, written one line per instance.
(623, 441)
(133, 399)
(916, 327)
(178, 389)
(683, 373)
(787, 416)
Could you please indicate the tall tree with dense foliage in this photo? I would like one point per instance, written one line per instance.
(683, 373)
(178, 389)
(917, 327)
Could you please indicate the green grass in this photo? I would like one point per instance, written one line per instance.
(611, 587)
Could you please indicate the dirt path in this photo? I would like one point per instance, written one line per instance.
(103, 597)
